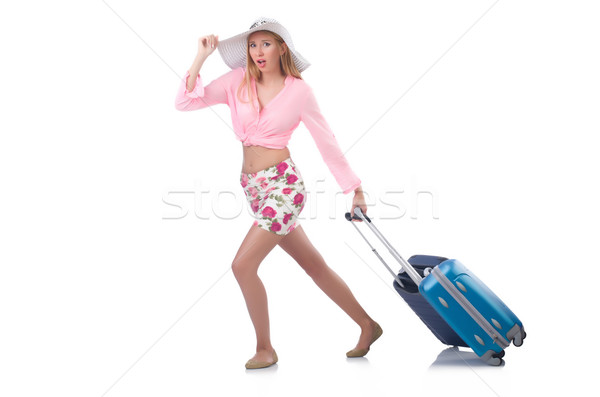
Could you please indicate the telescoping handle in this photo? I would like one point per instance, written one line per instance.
(412, 273)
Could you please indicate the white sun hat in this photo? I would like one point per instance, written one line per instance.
(233, 50)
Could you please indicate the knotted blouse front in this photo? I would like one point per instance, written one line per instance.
(274, 124)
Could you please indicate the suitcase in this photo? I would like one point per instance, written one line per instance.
(456, 306)
(409, 291)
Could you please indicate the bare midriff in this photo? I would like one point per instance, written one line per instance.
(257, 158)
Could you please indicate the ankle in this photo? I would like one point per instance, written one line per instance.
(265, 348)
(368, 324)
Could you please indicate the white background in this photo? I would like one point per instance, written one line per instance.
(107, 290)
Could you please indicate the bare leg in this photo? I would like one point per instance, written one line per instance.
(255, 247)
(301, 249)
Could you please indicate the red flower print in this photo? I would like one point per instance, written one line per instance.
(291, 227)
(291, 179)
(253, 192)
(269, 212)
(298, 198)
(276, 176)
(281, 167)
(244, 180)
(259, 180)
(287, 190)
(287, 217)
(255, 223)
(276, 226)
(254, 205)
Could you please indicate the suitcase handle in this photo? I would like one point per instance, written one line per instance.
(348, 217)
(412, 273)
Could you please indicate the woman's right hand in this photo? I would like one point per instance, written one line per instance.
(207, 45)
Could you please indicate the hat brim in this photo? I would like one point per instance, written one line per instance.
(233, 50)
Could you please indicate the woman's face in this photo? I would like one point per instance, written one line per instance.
(264, 51)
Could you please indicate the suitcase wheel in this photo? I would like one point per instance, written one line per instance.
(495, 361)
(518, 339)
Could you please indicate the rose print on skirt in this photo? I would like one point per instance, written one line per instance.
(276, 196)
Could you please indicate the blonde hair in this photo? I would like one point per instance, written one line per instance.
(252, 71)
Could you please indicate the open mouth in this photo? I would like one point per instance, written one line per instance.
(261, 62)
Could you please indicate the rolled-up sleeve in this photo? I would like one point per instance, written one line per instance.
(328, 145)
(201, 96)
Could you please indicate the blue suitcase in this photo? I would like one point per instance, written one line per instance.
(409, 291)
(459, 308)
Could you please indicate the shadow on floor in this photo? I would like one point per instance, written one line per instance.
(454, 357)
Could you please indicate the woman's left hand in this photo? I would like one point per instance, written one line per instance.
(358, 201)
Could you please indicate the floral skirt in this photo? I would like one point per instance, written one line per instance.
(276, 196)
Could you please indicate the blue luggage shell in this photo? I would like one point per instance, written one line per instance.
(470, 311)
(440, 289)
(430, 317)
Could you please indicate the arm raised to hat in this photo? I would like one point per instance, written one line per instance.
(206, 46)
(192, 94)
(201, 96)
(194, 71)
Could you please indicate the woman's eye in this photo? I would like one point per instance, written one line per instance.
(253, 45)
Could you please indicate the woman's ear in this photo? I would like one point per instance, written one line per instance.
(283, 48)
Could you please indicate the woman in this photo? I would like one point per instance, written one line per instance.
(268, 98)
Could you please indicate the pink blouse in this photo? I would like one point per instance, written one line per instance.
(273, 126)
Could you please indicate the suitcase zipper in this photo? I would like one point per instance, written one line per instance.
(469, 308)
